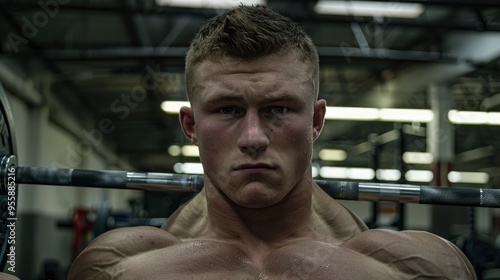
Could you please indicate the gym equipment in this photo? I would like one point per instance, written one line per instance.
(11, 175)
(106, 220)
(8, 192)
(85, 228)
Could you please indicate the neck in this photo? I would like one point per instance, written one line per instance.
(286, 220)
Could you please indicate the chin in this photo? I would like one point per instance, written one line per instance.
(258, 197)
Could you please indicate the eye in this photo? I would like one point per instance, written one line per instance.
(228, 110)
(279, 110)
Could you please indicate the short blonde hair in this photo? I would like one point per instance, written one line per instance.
(250, 32)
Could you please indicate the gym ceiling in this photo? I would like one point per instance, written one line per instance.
(90, 58)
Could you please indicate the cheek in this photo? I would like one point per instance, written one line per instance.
(213, 142)
(298, 141)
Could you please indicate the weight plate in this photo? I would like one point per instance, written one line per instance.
(8, 193)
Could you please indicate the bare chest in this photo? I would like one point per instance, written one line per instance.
(214, 260)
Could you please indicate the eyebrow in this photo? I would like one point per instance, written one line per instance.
(224, 97)
(284, 96)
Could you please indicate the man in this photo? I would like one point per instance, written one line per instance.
(252, 80)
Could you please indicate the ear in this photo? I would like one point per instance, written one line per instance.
(186, 117)
(318, 117)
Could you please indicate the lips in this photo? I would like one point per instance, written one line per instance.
(254, 166)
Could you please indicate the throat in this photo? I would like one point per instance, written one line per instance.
(262, 231)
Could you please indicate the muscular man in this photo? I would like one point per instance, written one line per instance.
(252, 80)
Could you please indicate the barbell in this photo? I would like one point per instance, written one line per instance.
(11, 175)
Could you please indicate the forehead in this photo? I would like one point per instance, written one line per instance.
(266, 74)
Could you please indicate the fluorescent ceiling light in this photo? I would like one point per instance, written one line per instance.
(360, 173)
(468, 177)
(347, 173)
(388, 174)
(333, 172)
(351, 113)
(190, 151)
(188, 168)
(375, 114)
(424, 176)
(493, 118)
(369, 8)
(474, 117)
(186, 150)
(174, 150)
(208, 4)
(406, 115)
(417, 158)
(173, 107)
(467, 117)
(332, 154)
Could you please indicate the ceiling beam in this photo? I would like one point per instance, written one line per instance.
(179, 52)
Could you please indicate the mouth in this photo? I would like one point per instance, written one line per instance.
(254, 166)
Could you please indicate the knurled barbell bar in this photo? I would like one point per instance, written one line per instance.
(11, 175)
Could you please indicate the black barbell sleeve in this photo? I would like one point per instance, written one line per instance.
(460, 196)
(71, 177)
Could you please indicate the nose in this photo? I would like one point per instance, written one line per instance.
(252, 139)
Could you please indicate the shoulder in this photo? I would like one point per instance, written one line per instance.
(6, 276)
(414, 252)
(189, 220)
(333, 219)
(105, 253)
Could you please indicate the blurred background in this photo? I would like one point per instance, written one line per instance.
(413, 89)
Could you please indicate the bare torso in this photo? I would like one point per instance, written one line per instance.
(328, 253)
(374, 254)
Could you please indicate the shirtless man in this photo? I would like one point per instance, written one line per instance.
(252, 80)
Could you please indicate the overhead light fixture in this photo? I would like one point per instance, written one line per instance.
(406, 115)
(186, 150)
(388, 174)
(190, 151)
(351, 113)
(173, 107)
(333, 172)
(188, 168)
(494, 118)
(174, 150)
(422, 176)
(467, 117)
(357, 173)
(208, 4)
(417, 158)
(332, 154)
(468, 177)
(474, 117)
(376, 114)
(353, 173)
(369, 8)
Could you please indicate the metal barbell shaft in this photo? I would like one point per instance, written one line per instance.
(193, 183)
(109, 179)
(412, 193)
